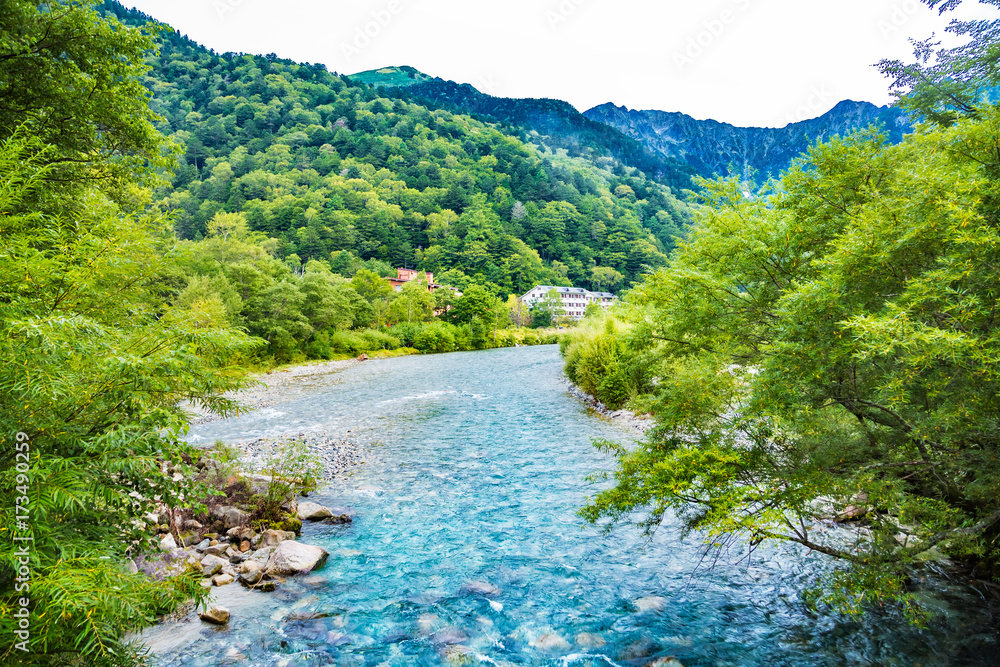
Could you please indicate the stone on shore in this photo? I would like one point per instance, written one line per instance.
(313, 512)
(232, 517)
(272, 538)
(222, 579)
(293, 557)
(212, 565)
(215, 615)
(168, 543)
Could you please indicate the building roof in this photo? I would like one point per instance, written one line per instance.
(569, 290)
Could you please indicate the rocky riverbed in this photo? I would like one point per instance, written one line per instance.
(641, 423)
(274, 387)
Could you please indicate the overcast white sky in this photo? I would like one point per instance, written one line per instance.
(747, 62)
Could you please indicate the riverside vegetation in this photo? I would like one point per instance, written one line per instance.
(829, 340)
(172, 217)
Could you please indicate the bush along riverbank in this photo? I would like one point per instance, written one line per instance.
(245, 528)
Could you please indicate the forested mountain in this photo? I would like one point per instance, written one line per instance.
(336, 171)
(553, 124)
(712, 148)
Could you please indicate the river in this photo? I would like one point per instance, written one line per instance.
(476, 466)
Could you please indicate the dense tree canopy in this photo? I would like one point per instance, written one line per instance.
(835, 338)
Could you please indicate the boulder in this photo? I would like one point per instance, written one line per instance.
(168, 543)
(187, 539)
(261, 556)
(250, 566)
(313, 512)
(293, 557)
(337, 519)
(191, 524)
(251, 578)
(851, 513)
(222, 579)
(204, 544)
(211, 565)
(292, 524)
(272, 538)
(215, 615)
(232, 517)
(216, 549)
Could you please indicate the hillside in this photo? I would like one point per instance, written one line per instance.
(337, 172)
(554, 124)
(711, 147)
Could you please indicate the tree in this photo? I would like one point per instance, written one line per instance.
(946, 84)
(605, 278)
(75, 80)
(520, 314)
(374, 289)
(94, 365)
(547, 312)
(835, 338)
(412, 303)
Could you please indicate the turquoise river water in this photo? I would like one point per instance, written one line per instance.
(476, 467)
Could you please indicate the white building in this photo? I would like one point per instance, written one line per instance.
(574, 299)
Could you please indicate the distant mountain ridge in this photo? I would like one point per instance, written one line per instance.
(712, 147)
(558, 123)
(668, 146)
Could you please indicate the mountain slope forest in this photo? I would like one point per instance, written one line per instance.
(712, 148)
(551, 124)
(336, 173)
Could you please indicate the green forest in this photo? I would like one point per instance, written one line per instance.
(828, 348)
(172, 219)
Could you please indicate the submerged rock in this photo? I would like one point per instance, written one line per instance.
(215, 615)
(588, 640)
(551, 641)
(293, 557)
(666, 662)
(650, 603)
(481, 588)
(449, 636)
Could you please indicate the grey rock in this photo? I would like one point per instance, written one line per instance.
(272, 538)
(293, 557)
(313, 512)
(201, 546)
(211, 565)
(215, 615)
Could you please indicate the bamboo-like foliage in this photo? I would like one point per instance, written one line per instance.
(93, 366)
